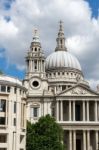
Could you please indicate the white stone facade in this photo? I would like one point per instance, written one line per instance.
(56, 86)
(12, 114)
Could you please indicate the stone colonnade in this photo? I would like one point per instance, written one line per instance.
(86, 143)
(72, 109)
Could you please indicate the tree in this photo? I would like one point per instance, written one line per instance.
(46, 134)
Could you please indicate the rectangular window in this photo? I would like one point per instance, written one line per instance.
(63, 87)
(14, 121)
(35, 112)
(15, 90)
(8, 89)
(21, 138)
(3, 88)
(3, 138)
(20, 92)
(35, 64)
(14, 107)
(2, 105)
(2, 120)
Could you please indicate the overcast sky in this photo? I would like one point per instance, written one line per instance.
(18, 18)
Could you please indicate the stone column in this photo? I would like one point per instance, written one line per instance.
(44, 67)
(96, 140)
(84, 140)
(41, 66)
(6, 111)
(96, 117)
(83, 110)
(73, 110)
(70, 140)
(74, 140)
(37, 66)
(29, 65)
(33, 65)
(88, 140)
(69, 110)
(61, 111)
(57, 110)
(9, 138)
(87, 110)
(41, 108)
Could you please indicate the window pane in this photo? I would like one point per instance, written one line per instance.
(3, 138)
(35, 111)
(14, 107)
(8, 89)
(2, 105)
(3, 88)
(15, 89)
(14, 121)
(2, 120)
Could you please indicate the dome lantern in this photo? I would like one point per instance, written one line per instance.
(36, 36)
(61, 39)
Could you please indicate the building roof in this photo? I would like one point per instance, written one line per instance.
(12, 80)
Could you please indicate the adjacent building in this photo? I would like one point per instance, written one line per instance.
(12, 114)
(56, 86)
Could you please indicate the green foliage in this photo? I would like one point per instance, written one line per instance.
(46, 134)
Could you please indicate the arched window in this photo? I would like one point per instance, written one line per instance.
(35, 49)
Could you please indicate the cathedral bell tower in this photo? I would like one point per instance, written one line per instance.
(35, 59)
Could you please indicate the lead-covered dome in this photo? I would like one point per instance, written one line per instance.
(62, 59)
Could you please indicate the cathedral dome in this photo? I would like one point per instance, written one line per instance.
(62, 59)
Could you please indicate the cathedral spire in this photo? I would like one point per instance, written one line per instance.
(61, 39)
(36, 36)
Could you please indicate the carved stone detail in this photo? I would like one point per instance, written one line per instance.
(78, 91)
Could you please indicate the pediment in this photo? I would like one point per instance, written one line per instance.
(78, 90)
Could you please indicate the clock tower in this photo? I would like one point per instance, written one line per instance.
(35, 60)
(35, 80)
